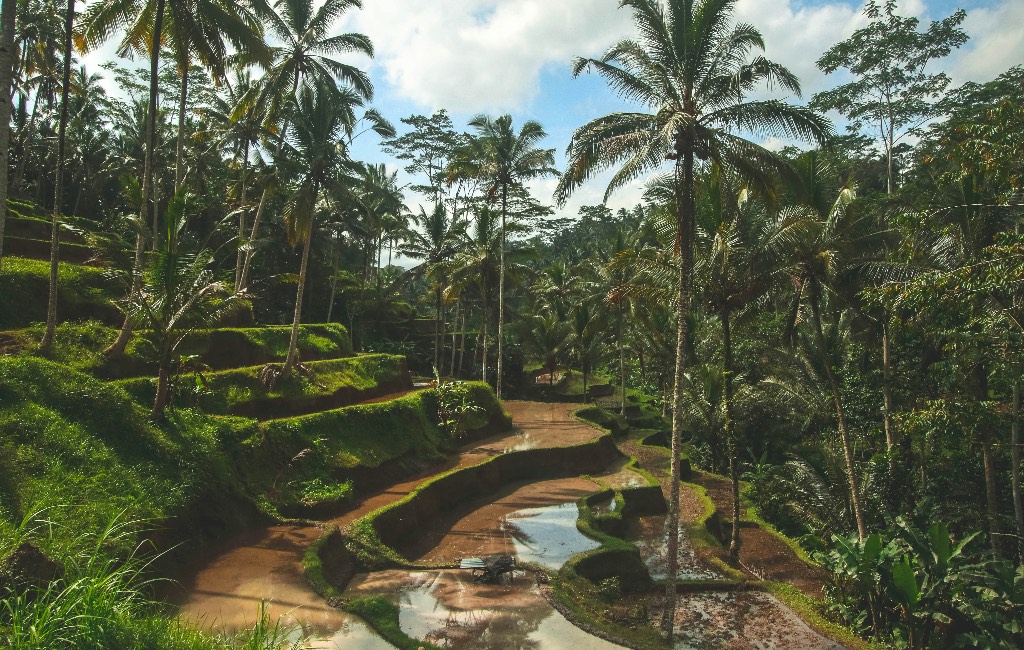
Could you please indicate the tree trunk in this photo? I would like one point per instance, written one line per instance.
(483, 356)
(293, 344)
(58, 189)
(162, 387)
(117, 347)
(730, 437)
(501, 292)
(462, 347)
(1018, 503)
(335, 261)
(890, 440)
(989, 466)
(622, 366)
(8, 13)
(179, 157)
(837, 400)
(243, 208)
(455, 334)
(684, 220)
(438, 329)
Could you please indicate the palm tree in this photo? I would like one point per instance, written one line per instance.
(58, 186)
(317, 149)
(8, 13)
(101, 20)
(434, 239)
(691, 66)
(547, 337)
(303, 59)
(179, 293)
(505, 158)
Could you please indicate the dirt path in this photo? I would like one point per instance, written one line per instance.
(762, 554)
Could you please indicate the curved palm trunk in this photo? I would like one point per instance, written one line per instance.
(837, 400)
(117, 347)
(684, 220)
(243, 208)
(501, 292)
(8, 13)
(293, 344)
(179, 157)
(58, 189)
(730, 436)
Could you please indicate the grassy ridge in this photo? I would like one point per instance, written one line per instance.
(83, 293)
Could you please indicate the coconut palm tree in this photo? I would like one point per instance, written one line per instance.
(179, 293)
(100, 21)
(304, 58)
(8, 12)
(506, 158)
(433, 239)
(317, 148)
(691, 66)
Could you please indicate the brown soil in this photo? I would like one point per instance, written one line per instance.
(762, 554)
(484, 531)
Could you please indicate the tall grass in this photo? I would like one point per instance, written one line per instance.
(100, 601)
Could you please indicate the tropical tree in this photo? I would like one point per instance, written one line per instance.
(692, 67)
(8, 55)
(179, 293)
(304, 58)
(317, 148)
(506, 158)
(433, 239)
(100, 21)
(58, 186)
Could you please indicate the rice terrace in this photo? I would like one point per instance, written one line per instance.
(579, 325)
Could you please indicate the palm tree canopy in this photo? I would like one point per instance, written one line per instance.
(691, 67)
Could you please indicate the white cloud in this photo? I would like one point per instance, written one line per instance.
(997, 43)
(483, 55)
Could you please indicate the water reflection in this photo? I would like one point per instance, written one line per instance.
(547, 536)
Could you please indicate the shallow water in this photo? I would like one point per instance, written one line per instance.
(447, 609)
(650, 534)
(547, 536)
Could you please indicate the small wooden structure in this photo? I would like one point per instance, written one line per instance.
(490, 570)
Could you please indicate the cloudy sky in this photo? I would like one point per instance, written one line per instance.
(512, 56)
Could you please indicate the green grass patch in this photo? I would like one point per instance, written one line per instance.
(382, 615)
(82, 293)
(810, 611)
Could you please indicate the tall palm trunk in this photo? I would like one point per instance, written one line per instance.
(293, 344)
(263, 199)
(501, 292)
(455, 335)
(462, 347)
(988, 461)
(1018, 502)
(335, 262)
(58, 189)
(890, 436)
(243, 207)
(685, 204)
(438, 328)
(730, 437)
(117, 347)
(179, 157)
(837, 400)
(8, 14)
(622, 366)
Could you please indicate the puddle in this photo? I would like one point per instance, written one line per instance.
(742, 620)
(547, 536)
(450, 611)
(651, 537)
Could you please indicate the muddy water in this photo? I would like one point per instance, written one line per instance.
(650, 534)
(265, 567)
(742, 620)
(447, 609)
(534, 521)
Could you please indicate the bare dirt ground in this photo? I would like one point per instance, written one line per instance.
(762, 554)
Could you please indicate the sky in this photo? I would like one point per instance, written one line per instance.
(513, 56)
